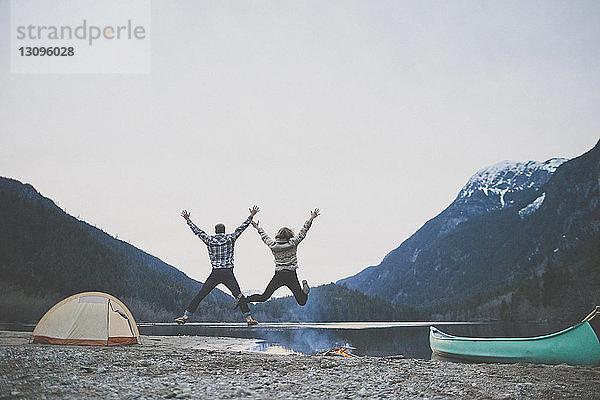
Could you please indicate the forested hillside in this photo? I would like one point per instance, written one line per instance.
(537, 258)
(46, 255)
(334, 303)
(411, 272)
(559, 246)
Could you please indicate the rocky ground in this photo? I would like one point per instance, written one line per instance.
(219, 368)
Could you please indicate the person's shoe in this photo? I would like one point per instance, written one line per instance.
(251, 321)
(305, 287)
(238, 300)
(182, 320)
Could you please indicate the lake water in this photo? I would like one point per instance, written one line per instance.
(410, 339)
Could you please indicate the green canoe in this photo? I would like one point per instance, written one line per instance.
(576, 345)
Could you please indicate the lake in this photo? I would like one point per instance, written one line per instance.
(410, 339)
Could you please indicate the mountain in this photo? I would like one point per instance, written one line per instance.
(333, 303)
(491, 189)
(516, 243)
(46, 255)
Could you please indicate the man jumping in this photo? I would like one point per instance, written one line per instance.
(220, 252)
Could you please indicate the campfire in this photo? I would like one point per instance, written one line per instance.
(338, 352)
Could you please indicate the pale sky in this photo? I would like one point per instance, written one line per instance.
(375, 112)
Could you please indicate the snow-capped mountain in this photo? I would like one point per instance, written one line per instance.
(532, 207)
(493, 188)
(496, 187)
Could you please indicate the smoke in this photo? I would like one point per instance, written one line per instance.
(304, 340)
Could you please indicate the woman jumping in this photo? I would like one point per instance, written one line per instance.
(284, 250)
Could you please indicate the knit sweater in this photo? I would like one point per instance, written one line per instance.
(285, 251)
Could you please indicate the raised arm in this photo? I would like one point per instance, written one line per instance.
(265, 238)
(302, 234)
(245, 224)
(197, 231)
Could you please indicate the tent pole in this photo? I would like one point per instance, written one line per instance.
(107, 321)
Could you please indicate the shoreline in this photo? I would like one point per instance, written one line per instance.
(222, 343)
(217, 368)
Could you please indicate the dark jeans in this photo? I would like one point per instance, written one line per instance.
(218, 275)
(287, 278)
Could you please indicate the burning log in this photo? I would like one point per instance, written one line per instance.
(338, 352)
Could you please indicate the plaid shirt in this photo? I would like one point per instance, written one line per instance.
(220, 246)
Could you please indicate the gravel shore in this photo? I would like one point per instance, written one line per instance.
(221, 368)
